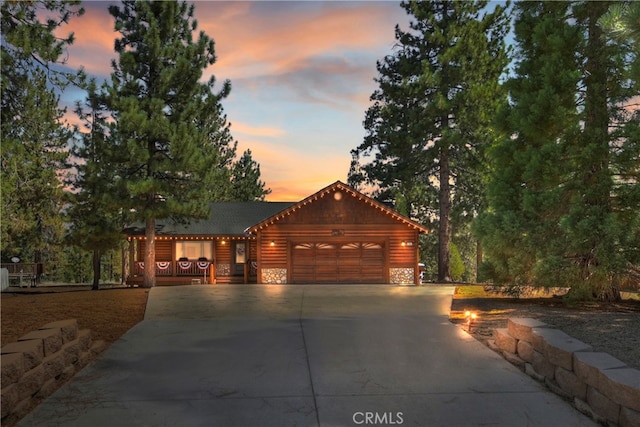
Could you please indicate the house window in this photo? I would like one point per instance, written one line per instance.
(193, 250)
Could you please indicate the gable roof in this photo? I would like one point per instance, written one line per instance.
(225, 219)
(337, 186)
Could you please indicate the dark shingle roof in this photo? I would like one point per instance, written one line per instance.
(225, 219)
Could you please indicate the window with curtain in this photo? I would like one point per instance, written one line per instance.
(193, 250)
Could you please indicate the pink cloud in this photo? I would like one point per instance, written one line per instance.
(261, 131)
(94, 40)
(251, 44)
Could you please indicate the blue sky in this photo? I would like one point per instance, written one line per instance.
(301, 75)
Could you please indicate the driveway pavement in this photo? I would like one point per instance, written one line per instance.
(301, 356)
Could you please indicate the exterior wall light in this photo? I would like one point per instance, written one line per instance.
(273, 243)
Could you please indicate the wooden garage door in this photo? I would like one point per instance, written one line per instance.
(351, 262)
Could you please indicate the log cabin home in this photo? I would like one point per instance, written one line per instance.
(337, 235)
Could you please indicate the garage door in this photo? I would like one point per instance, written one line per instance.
(351, 262)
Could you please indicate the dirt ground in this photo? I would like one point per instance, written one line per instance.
(108, 313)
(612, 328)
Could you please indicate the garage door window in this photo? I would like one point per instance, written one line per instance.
(325, 246)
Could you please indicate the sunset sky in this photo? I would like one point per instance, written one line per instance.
(301, 75)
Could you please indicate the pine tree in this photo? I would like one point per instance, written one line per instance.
(95, 217)
(622, 22)
(245, 180)
(563, 189)
(595, 225)
(163, 152)
(527, 168)
(33, 137)
(433, 111)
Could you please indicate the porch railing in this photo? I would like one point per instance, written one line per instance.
(175, 268)
(192, 268)
(22, 267)
(27, 272)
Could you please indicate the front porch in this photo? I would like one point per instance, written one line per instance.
(193, 272)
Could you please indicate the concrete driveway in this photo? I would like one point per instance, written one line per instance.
(301, 356)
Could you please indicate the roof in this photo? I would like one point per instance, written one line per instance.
(338, 186)
(225, 219)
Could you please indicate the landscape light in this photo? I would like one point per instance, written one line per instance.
(471, 318)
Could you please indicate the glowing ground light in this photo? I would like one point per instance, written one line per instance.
(471, 318)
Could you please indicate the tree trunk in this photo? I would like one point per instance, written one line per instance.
(124, 268)
(96, 269)
(150, 254)
(478, 261)
(597, 183)
(444, 230)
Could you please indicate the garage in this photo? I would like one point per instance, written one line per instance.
(338, 262)
(340, 236)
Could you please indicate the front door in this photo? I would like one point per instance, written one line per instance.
(240, 258)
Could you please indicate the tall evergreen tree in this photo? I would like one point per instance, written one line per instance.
(433, 110)
(163, 152)
(95, 217)
(527, 168)
(563, 192)
(245, 179)
(33, 137)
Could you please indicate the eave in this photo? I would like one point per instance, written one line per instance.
(331, 189)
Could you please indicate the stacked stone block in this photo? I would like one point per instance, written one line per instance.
(597, 383)
(41, 361)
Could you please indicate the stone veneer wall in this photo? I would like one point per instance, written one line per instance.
(598, 384)
(223, 269)
(401, 275)
(40, 362)
(274, 275)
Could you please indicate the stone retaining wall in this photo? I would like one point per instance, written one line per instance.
(598, 384)
(41, 361)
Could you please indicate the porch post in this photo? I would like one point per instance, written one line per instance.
(212, 271)
(258, 258)
(132, 257)
(416, 260)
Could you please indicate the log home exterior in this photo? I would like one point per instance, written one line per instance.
(216, 250)
(336, 235)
